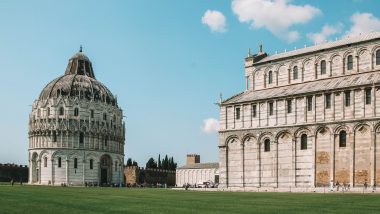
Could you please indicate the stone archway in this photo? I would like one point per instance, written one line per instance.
(362, 154)
(234, 163)
(105, 170)
(323, 157)
(285, 160)
(35, 169)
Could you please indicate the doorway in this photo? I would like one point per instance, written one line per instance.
(103, 177)
(105, 170)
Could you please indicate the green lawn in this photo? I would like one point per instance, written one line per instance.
(42, 199)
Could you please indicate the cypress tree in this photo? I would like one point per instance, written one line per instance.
(129, 162)
(159, 161)
(166, 166)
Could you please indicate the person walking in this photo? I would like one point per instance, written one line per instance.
(331, 186)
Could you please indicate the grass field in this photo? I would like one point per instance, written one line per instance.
(42, 199)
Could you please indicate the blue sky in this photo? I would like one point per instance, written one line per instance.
(167, 61)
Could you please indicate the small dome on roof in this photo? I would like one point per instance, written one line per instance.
(80, 64)
(81, 56)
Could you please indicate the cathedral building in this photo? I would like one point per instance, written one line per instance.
(308, 117)
(76, 130)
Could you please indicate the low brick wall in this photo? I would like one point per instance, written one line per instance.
(139, 175)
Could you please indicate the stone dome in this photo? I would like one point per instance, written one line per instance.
(76, 131)
(78, 81)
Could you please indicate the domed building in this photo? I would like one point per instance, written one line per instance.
(76, 130)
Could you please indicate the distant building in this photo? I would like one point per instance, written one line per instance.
(76, 130)
(195, 172)
(308, 117)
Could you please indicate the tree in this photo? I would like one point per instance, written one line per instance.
(135, 164)
(172, 164)
(151, 164)
(165, 162)
(129, 162)
(159, 161)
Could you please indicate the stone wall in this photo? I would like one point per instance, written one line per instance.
(138, 175)
(13, 172)
(195, 176)
(245, 163)
(358, 109)
(45, 169)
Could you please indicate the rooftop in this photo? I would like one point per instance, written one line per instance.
(200, 166)
(323, 46)
(341, 82)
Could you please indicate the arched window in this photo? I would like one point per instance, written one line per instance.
(237, 114)
(75, 163)
(106, 141)
(271, 108)
(91, 164)
(48, 111)
(61, 111)
(115, 166)
(368, 92)
(104, 116)
(342, 138)
(295, 72)
(266, 145)
(270, 77)
(309, 103)
(59, 162)
(323, 67)
(39, 112)
(45, 161)
(349, 62)
(81, 67)
(378, 57)
(81, 138)
(54, 136)
(92, 113)
(76, 112)
(289, 106)
(347, 95)
(303, 142)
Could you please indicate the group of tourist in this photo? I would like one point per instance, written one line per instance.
(346, 187)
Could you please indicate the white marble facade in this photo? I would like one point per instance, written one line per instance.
(196, 175)
(76, 131)
(308, 117)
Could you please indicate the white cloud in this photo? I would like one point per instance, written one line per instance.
(277, 16)
(326, 32)
(210, 126)
(215, 20)
(363, 23)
